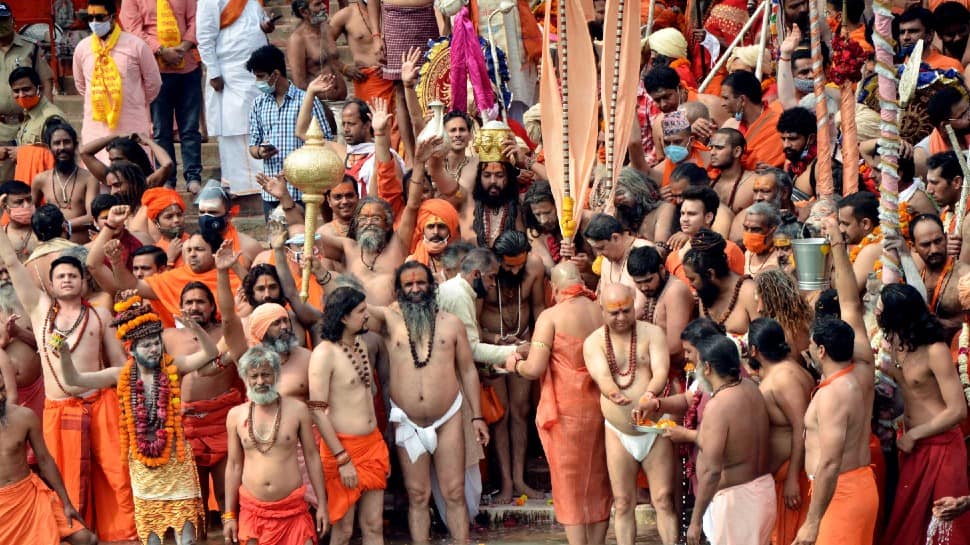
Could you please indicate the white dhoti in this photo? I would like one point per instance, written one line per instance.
(638, 446)
(417, 440)
(238, 167)
(743, 514)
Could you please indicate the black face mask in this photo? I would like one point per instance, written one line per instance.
(212, 226)
(479, 286)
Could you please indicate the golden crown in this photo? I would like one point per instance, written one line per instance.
(490, 141)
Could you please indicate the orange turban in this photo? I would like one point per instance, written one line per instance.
(157, 199)
(433, 210)
(262, 317)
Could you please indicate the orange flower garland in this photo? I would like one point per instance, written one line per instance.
(126, 327)
(872, 238)
(173, 419)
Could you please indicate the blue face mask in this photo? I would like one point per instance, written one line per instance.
(264, 86)
(804, 85)
(906, 50)
(676, 153)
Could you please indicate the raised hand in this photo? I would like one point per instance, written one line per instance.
(114, 252)
(380, 116)
(225, 257)
(275, 186)
(791, 41)
(425, 148)
(190, 324)
(410, 66)
(117, 216)
(277, 235)
(322, 84)
(174, 250)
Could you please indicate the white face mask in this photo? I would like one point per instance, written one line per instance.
(101, 28)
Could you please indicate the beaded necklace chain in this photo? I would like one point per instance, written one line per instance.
(53, 338)
(626, 256)
(64, 202)
(487, 219)
(257, 442)
(418, 362)
(631, 369)
(501, 314)
(360, 360)
(731, 303)
(648, 313)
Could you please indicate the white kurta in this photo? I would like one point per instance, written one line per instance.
(224, 53)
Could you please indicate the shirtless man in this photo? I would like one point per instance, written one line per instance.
(607, 352)
(342, 200)
(770, 185)
(20, 207)
(67, 185)
(457, 168)
(939, 272)
(426, 395)
(20, 347)
(312, 50)
(787, 388)
(261, 285)
(933, 457)
(33, 510)
(845, 500)
(94, 347)
(365, 49)
(264, 488)
(341, 399)
(723, 295)
(606, 236)
(733, 184)
(506, 317)
(761, 221)
(373, 247)
(670, 303)
(859, 223)
(735, 494)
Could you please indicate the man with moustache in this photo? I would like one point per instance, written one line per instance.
(78, 422)
(699, 211)
(637, 202)
(797, 130)
(628, 360)
(733, 181)
(342, 201)
(164, 481)
(541, 219)
(772, 185)
(356, 461)
(262, 285)
(492, 207)
(508, 311)
(166, 212)
(67, 185)
(608, 239)
(939, 272)
(568, 413)
(457, 169)
(787, 388)
(944, 180)
(35, 507)
(735, 494)
(148, 260)
(19, 209)
(264, 488)
(428, 385)
(845, 501)
(723, 295)
(438, 221)
(669, 300)
(374, 247)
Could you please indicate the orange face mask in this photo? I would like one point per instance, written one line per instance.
(28, 102)
(756, 242)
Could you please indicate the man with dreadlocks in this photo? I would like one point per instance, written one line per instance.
(164, 481)
(426, 391)
(507, 314)
(778, 298)
(542, 225)
(722, 294)
(374, 247)
(262, 285)
(493, 206)
(637, 202)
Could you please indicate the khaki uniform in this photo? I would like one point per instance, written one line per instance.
(20, 52)
(32, 130)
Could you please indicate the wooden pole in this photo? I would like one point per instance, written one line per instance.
(762, 43)
(888, 146)
(961, 207)
(823, 163)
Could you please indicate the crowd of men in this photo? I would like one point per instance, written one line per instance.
(663, 352)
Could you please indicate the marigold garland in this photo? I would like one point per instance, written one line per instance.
(125, 328)
(962, 359)
(872, 238)
(172, 431)
(122, 306)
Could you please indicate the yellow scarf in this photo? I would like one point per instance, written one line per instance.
(167, 27)
(105, 89)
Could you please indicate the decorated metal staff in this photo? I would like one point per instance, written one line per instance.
(960, 210)
(888, 146)
(823, 164)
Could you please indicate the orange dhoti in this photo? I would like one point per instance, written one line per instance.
(568, 415)
(205, 427)
(32, 513)
(850, 518)
(82, 436)
(32, 397)
(373, 86)
(787, 521)
(283, 522)
(937, 467)
(31, 161)
(371, 459)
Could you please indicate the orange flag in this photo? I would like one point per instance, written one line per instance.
(623, 42)
(581, 110)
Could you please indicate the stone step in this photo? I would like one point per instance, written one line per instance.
(539, 512)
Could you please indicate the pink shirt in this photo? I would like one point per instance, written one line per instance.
(140, 84)
(138, 17)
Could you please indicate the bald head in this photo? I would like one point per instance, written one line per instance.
(616, 296)
(695, 110)
(565, 274)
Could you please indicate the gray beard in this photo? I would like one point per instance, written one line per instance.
(262, 398)
(283, 344)
(9, 303)
(372, 239)
(418, 317)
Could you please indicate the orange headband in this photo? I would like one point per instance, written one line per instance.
(618, 305)
(97, 9)
(515, 260)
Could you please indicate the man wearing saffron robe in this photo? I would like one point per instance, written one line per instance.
(163, 476)
(32, 511)
(932, 454)
(741, 98)
(568, 412)
(669, 47)
(166, 211)
(438, 224)
(117, 74)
